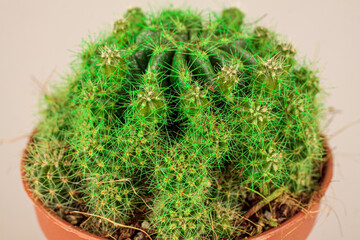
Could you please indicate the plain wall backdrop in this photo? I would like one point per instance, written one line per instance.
(38, 39)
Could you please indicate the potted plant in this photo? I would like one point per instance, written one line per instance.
(173, 126)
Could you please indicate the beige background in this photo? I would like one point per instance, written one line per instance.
(36, 38)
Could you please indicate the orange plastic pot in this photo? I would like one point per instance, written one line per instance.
(296, 228)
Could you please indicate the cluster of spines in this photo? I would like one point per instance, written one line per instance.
(50, 174)
(161, 106)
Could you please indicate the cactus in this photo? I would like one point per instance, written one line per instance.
(186, 116)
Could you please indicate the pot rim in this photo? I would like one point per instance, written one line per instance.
(327, 170)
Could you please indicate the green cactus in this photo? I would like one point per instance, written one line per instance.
(190, 116)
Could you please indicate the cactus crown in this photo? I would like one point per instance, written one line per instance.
(190, 115)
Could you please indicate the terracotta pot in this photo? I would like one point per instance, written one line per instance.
(296, 228)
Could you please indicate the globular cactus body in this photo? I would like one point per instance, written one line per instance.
(192, 116)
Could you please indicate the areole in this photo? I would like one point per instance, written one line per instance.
(296, 228)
